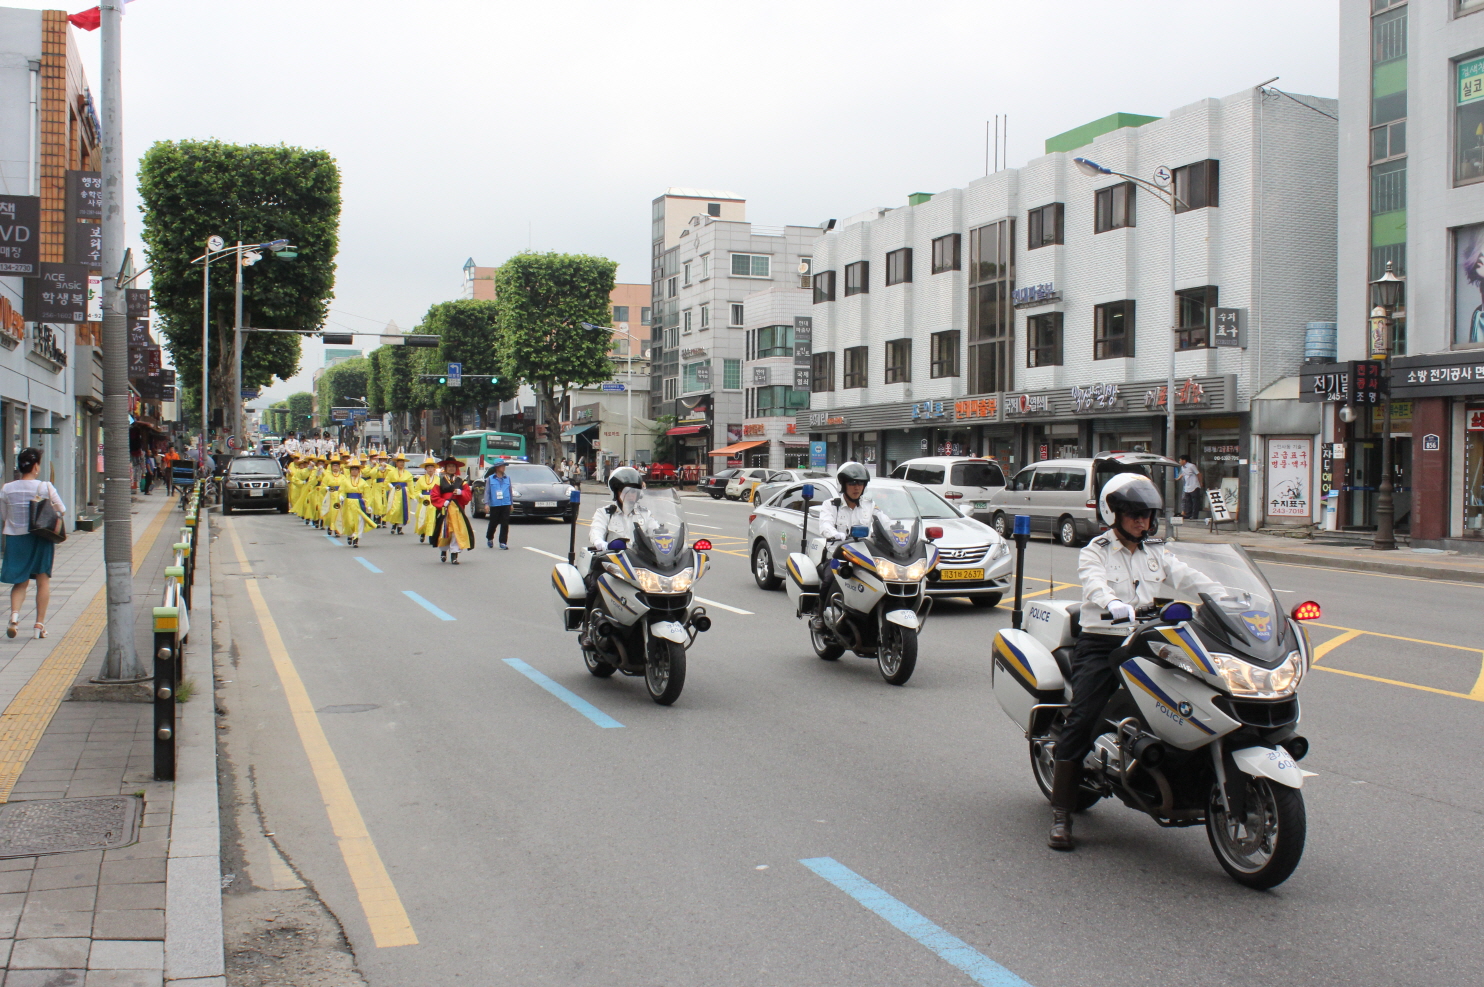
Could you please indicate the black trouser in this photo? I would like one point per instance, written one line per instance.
(499, 516)
(1192, 504)
(1094, 681)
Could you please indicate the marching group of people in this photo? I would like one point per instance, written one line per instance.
(347, 495)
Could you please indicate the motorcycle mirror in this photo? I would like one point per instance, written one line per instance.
(1176, 612)
(1308, 610)
(808, 491)
(703, 545)
(934, 533)
(859, 531)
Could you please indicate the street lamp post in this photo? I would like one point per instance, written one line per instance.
(1386, 297)
(1166, 195)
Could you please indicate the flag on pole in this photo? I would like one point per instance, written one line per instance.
(89, 19)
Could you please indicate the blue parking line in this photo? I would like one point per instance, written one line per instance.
(567, 696)
(332, 538)
(427, 606)
(368, 565)
(951, 949)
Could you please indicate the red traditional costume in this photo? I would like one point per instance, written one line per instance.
(450, 496)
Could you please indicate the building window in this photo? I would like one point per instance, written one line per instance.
(1113, 331)
(898, 361)
(1043, 340)
(1115, 208)
(1389, 112)
(1390, 140)
(752, 266)
(856, 359)
(620, 313)
(685, 316)
(1195, 313)
(672, 288)
(696, 377)
(945, 354)
(685, 272)
(822, 372)
(773, 341)
(824, 287)
(1197, 185)
(713, 209)
(899, 266)
(857, 278)
(671, 385)
(777, 401)
(705, 266)
(1043, 227)
(805, 265)
(672, 337)
(991, 280)
(946, 253)
(731, 375)
(644, 317)
(705, 316)
(620, 347)
(737, 313)
(1468, 123)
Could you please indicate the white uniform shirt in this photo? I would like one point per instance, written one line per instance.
(1109, 572)
(836, 517)
(610, 522)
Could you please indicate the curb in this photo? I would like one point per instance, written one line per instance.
(194, 950)
(1367, 565)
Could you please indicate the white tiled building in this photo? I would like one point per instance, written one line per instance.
(1029, 315)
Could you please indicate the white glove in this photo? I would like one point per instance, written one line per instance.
(1120, 610)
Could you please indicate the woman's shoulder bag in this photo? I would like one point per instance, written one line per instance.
(45, 522)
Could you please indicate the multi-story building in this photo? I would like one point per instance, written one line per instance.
(600, 422)
(51, 394)
(1030, 314)
(706, 259)
(479, 282)
(775, 378)
(1411, 193)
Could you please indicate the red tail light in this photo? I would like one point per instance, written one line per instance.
(751, 518)
(1306, 611)
(934, 533)
(703, 545)
(1092, 505)
(953, 495)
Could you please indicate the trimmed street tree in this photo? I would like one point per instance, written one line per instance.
(339, 384)
(190, 190)
(301, 411)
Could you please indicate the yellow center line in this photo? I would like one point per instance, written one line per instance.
(1320, 650)
(32, 709)
(1351, 633)
(379, 900)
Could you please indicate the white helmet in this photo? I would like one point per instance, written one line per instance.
(1130, 492)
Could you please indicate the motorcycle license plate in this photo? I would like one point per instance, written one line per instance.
(969, 574)
(546, 503)
(256, 493)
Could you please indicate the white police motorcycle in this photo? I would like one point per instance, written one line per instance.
(644, 619)
(1204, 728)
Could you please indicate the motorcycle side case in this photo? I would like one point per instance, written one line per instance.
(1050, 622)
(571, 592)
(803, 578)
(1025, 675)
(1177, 707)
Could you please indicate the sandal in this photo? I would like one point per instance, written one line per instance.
(15, 618)
(40, 630)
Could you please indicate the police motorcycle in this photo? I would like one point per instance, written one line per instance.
(644, 619)
(1204, 727)
(879, 605)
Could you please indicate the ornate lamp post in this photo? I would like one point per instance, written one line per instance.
(1387, 294)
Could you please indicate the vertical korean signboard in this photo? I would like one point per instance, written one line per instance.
(1289, 478)
(84, 238)
(20, 235)
(803, 350)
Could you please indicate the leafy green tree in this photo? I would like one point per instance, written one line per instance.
(342, 386)
(396, 379)
(469, 334)
(662, 446)
(374, 404)
(190, 190)
(301, 411)
(542, 300)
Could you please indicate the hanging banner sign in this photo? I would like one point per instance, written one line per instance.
(20, 235)
(59, 293)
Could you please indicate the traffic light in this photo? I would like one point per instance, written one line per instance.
(443, 380)
(338, 338)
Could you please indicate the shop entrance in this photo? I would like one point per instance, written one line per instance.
(1473, 471)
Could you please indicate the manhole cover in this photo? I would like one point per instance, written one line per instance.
(67, 825)
(351, 708)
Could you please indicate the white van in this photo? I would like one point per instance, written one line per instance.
(1060, 495)
(966, 482)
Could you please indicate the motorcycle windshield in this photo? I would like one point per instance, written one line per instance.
(898, 540)
(659, 531)
(1246, 618)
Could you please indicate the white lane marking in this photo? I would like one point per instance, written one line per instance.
(549, 555)
(713, 527)
(694, 514)
(713, 603)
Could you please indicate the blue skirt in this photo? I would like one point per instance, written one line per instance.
(26, 556)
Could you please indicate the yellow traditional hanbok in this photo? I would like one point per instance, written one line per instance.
(427, 514)
(401, 499)
(298, 477)
(376, 473)
(355, 515)
(332, 483)
(313, 493)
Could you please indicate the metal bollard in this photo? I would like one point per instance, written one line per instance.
(167, 681)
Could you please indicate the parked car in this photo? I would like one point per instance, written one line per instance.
(1061, 495)
(254, 482)
(716, 483)
(535, 492)
(964, 481)
(740, 487)
(781, 478)
(976, 562)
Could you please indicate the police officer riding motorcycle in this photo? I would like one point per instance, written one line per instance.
(836, 517)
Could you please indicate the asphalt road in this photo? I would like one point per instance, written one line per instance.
(525, 844)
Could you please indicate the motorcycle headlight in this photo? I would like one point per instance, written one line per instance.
(1254, 682)
(903, 573)
(653, 582)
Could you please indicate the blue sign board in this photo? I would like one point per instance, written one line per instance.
(613, 385)
(455, 375)
(817, 453)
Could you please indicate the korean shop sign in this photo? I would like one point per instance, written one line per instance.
(1471, 80)
(20, 235)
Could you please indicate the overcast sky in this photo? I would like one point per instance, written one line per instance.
(480, 129)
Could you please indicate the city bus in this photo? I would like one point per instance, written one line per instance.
(481, 449)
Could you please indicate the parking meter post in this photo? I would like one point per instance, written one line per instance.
(1022, 537)
(576, 499)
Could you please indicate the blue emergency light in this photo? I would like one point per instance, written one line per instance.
(1022, 524)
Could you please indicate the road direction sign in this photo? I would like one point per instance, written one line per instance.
(455, 375)
(612, 385)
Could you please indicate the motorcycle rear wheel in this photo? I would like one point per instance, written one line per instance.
(896, 656)
(825, 645)
(597, 666)
(1266, 851)
(1043, 766)
(664, 670)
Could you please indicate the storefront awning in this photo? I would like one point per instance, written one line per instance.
(577, 430)
(737, 447)
(796, 440)
(685, 430)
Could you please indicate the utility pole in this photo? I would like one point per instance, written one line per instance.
(236, 401)
(120, 663)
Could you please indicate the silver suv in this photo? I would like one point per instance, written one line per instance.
(1061, 495)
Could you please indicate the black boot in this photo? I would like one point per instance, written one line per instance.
(1063, 800)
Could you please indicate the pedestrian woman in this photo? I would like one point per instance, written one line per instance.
(497, 500)
(28, 556)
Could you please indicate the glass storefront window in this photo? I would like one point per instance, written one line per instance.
(1473, 471)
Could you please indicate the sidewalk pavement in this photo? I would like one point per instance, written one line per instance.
(150, 912)
(1266, 546)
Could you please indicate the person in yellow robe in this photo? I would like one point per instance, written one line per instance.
(427, 514)
(332, 483)
(375, 472)
(400, 496)
(355, 513)
(301, 476)
(295, 475)
(312, 491)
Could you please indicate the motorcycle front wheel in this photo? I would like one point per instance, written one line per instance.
(1263, 849)
(897, 653)
(664, 671)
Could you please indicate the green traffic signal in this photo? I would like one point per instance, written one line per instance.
(443, 380)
